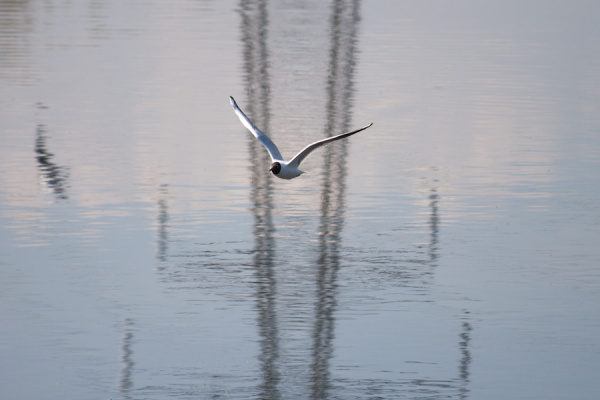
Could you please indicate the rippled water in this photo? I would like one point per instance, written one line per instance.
(450, 251)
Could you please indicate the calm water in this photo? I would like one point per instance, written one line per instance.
(450, 251)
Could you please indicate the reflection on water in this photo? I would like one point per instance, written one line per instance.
(338, 111)
(53, 176)
(344, 23)
(465, 360)
(163, 224)
(256, 75)
(339, 78)
(446, 253)
(126, 381)
(434, 222)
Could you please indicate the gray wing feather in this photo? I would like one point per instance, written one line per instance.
(264, 139)
(298, 158)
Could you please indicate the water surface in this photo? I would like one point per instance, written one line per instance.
(450, 251)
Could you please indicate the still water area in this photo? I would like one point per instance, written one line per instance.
(450, 251)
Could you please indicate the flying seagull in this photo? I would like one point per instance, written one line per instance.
(280, 168)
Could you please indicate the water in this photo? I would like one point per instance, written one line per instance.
(450, 251)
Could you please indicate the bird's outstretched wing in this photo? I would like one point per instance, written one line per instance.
(264, 139)
(295, 162)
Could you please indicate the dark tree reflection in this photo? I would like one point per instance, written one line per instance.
(53, 176)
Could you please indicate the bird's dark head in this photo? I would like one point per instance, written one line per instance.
(275, 168)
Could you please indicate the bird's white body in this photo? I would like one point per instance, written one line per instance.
(280, 168)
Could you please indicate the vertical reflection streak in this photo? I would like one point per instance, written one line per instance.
(163, 224)
(126, 381)
(343, 29)
(465, 359)
(465, 334)
(254, 25)
(434, 221)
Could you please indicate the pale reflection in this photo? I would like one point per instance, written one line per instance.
(434, 221)
(274, 354)
(465, 359)
(126, 380)
(254, 32)
(343, 25)
(51, 175)
(343, 30)
(163, 224)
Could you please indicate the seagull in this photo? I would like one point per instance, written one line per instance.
(280, 168)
